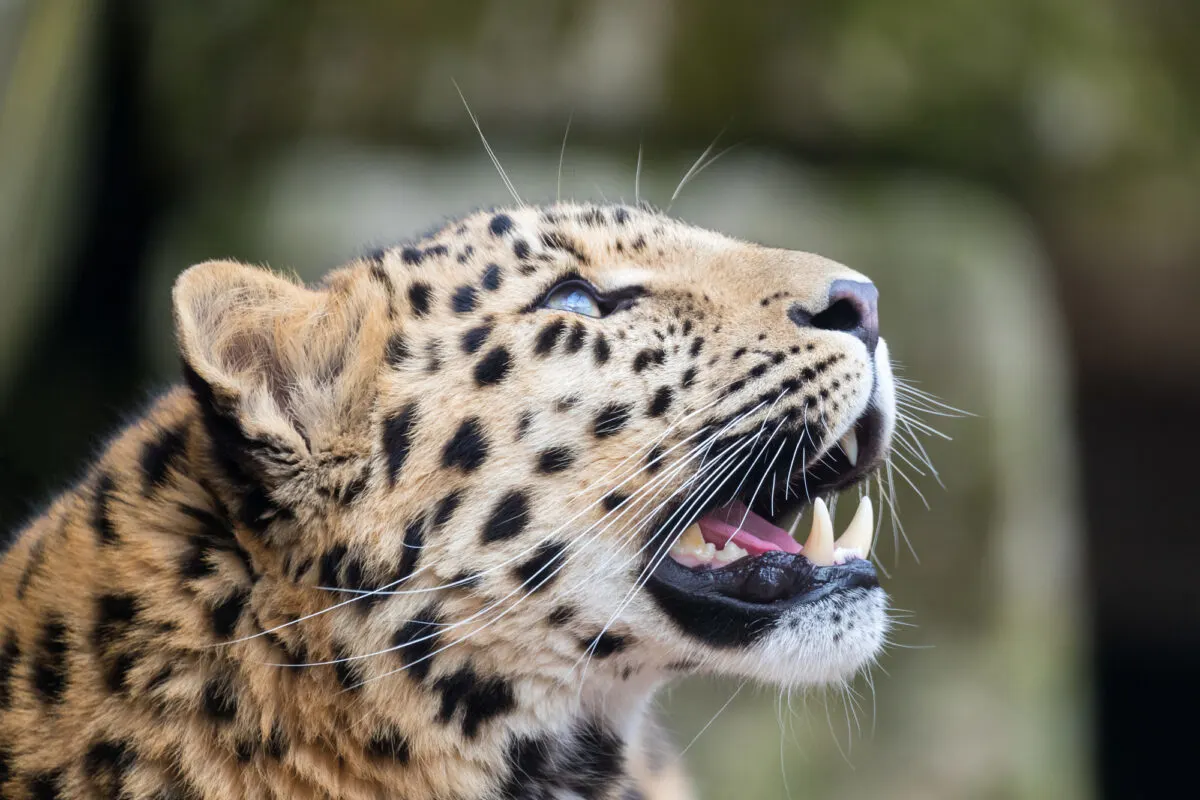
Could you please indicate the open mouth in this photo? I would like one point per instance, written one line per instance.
(736, 555)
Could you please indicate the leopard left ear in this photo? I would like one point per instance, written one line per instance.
(282, 371)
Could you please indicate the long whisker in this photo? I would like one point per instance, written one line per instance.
(637, 179)
(561, 155)
(692, 170)
(495, 161)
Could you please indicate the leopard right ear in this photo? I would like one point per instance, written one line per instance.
(280, 370)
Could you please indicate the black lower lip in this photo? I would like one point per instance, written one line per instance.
(733, 606)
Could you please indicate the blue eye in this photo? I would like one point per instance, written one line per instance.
(576, 298)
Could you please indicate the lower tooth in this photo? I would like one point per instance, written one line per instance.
(730, 553)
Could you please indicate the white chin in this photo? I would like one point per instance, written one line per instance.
(826, 642)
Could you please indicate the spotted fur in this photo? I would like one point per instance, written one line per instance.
(380, 543)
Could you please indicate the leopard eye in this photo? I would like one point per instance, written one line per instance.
(574, 296)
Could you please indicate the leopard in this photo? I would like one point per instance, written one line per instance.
(442, 524)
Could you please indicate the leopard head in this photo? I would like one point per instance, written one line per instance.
(551, 439)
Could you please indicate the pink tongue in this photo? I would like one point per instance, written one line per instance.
(738, 524)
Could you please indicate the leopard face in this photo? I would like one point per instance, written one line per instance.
(551, 441)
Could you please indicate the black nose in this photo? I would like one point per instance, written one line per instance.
(852, 306)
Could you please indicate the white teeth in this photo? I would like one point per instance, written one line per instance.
(691, 544)
(849, 445)
(728, 554)
(856, 540)
(692, 550)
(818, 548)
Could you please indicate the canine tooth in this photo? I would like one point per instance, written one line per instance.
(691, 544)
(849, 444)
(691, 539)
(859, 532)
(818, 548)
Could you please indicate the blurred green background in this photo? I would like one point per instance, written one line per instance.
(1022, 179)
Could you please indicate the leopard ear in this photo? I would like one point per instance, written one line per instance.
(285, 369)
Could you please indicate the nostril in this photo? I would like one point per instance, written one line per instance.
(852, 307)
(843, 315)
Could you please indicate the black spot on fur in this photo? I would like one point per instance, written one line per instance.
(555, 459)
(523, 424)
(331, 566)
(492, 277)
(46, 785)
(346, 670)
(379, 274)
(594, 761)
(50, 661)
(689, 378)
(500, 224)
(446, 508)
(397, 349)
(225, 614)
(10, 656)
(437, 251)
(613, 500)
(576, 339)
(480, 699)
(553, 240)
(493, 367)
(548, 337)
(561, 615)
(611, 419)
(157, 455)
(114, 613)
(648, 357)
(219, 700)
(661, 402)
(397, 439)
(508, 518)
(33, 564)
(116, 675)
(521, 249)
(411, 256)
(606, 644)
(433, 355)
(195, 563)
(276, 745)
(414, 540)
(654, 459)
(474, 339)
(464, 299)
(104, 766)
(353, 488)
(416, 642)
(541, 569)
(697, 346)
(101, 521)
(528, 761)
(468, 448)
(389, 744)
(600, 349)
(418, 296)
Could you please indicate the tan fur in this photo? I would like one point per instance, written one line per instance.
(150, 616)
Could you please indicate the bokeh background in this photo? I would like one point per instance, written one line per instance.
(1022, 178)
